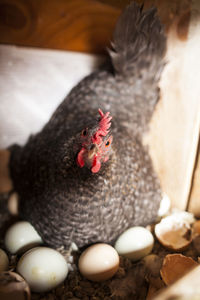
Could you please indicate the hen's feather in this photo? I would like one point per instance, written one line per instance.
(67, 203)
(138, 39)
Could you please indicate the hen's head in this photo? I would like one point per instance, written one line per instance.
(95, 144)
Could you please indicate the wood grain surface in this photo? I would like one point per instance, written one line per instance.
(80, 25)
(175, 125)
(186, 288)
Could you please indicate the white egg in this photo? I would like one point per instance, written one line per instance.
(4, 262)
(20, 237)
(43, 268)
(99, 262)
(135, 243)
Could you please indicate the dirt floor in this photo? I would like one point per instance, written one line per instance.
(132, 281)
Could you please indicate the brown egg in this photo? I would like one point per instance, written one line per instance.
(13, 287)
(13, 203)
(99, 262)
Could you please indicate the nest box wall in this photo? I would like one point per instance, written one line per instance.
(175, 128)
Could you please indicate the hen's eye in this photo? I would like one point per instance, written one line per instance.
(107, 143)
(84, 132)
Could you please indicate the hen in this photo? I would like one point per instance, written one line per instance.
(86, 177)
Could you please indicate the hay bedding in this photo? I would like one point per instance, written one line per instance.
(132, 281)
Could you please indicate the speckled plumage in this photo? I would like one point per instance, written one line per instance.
(66, 203)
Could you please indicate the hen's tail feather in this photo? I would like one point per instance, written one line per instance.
(138, 41)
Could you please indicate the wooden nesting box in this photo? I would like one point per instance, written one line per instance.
(86, 26)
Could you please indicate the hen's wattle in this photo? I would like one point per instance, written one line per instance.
(96, 144)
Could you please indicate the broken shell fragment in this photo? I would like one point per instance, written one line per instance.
(196, 244)
(175, 266)
(13, 286)
(175, 232)
(196, 228)
(196, 236)
(4, 262)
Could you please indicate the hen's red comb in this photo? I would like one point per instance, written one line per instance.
(104, 125)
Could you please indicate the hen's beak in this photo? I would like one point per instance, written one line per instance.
(93, 151)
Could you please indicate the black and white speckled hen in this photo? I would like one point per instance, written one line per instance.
(86, 178)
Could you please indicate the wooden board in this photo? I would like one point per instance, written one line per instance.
(175, 126)
(81, 25)
(186, 288)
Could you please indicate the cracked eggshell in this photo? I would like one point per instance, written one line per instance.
(20, 237)
(99, 262)
(196, 236)
(175, 266)
(174, 232)
(4, 262)
(43, 268)
(196, 228)
(13, 287)
(165, 205)
(135, 243)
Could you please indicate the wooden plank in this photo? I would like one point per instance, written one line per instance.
(81, 25)
(175, 126)
(187, 288)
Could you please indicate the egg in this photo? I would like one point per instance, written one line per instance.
(99, 262)
(13, 286)
(4, 262)
(174, 232)
(20, 237)
(13, 202)
(43, 268)
(135, 243)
